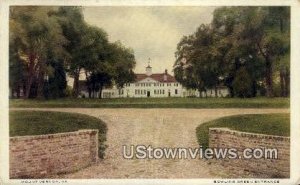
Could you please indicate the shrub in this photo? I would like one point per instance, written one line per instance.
(242, 84)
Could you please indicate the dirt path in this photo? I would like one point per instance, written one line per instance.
(156, 127)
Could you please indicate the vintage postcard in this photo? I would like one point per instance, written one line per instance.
(140, 92)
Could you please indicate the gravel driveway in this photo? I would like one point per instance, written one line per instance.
(156, 127)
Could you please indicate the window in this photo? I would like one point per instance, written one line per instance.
(144, 91)
(176, 91)
(163, 91)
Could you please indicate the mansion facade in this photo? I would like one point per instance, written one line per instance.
(153, 85)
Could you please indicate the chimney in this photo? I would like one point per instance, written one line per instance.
(166, 75)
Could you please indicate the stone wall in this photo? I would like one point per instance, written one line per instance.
(42, 155)
(259, 168)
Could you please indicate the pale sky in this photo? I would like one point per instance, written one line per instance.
(150, 31)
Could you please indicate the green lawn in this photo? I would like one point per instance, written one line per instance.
(271, 124)
(156, 103)
(23, 123)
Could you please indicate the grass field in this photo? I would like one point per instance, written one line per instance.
(156, 103)
(23, 123)
(271, 124)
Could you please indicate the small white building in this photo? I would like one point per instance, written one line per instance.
(153, 85)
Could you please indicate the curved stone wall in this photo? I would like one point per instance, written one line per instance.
(264, 168)
(42, 155)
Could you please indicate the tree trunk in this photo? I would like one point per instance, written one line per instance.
(40, 85)
(28, 85)
(76, 83)
(100, 92)
(12, 92)
(254, 89)
(216, 91)
(31, 72)
(269, 79)
(18, 90)
(287, 82)
(90, 92)
(200, 93)
(282, 83)
(231, 91)
(24, 88)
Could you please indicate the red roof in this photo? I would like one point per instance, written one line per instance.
(158, 77)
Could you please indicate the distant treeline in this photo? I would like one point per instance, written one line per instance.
(45, 43)
(246, 49)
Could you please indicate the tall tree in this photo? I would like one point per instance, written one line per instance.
(95, 54)
(254, 39)
(123, 61)
(35, 33)
(73, 25)
(113, 67)
(17, 71)
(258, 25)
(201, 58)
(57, 84)
(279, 21)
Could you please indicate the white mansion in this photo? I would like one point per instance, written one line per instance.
(153, 85)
